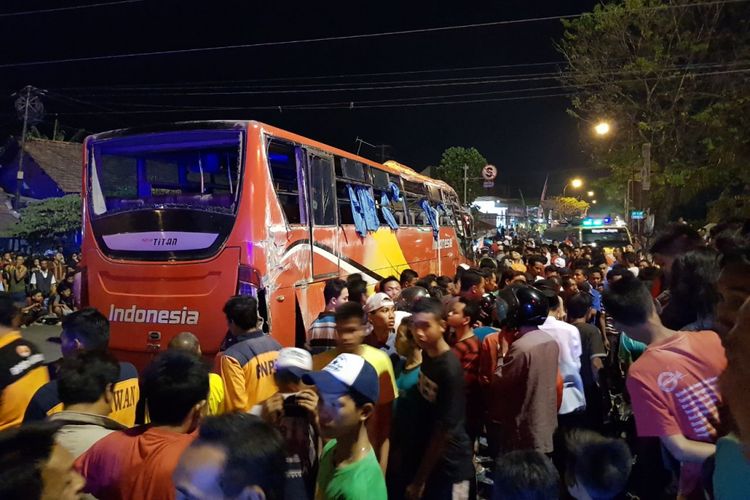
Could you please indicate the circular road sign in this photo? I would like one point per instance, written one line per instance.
(489, 172)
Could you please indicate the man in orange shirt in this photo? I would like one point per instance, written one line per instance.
(139, 462)
(22, 369)
(674, 384)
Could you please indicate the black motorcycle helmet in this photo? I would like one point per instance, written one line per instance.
(521, 305)
(410, 296)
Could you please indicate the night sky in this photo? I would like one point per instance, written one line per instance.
(525, 139)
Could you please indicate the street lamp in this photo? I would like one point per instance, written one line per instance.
(574, 183)
(590, 194)
(602, 128)
(593, 202)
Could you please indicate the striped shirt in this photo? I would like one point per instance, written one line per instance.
(321, 336)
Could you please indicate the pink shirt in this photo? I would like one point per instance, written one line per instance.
(674, 387)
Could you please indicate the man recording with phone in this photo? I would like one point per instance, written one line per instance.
(293, 410)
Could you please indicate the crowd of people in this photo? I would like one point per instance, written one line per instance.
(546, 371)
(41, 285)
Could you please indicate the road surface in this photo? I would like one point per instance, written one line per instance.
(38, 334)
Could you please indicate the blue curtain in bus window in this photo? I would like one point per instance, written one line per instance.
(385, 209)
(393, 192)
(369, 210)
(357, 211)
(431, 214)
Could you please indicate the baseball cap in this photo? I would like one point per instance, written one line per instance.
(294, 360)
(378, 301)
(345, 374)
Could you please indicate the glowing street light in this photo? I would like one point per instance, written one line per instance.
(602, 128)
(576, 183)
(593, 202)
(590, 194)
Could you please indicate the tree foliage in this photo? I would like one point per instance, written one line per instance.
(670, 74)
(566, 207)
(41, 222)
(451, 170)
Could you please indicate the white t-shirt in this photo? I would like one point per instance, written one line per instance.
(568, 339)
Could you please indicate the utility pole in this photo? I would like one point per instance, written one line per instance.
(645, 182)
(30, 107)
(466, 180)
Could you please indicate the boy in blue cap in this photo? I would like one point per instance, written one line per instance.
(348, 388)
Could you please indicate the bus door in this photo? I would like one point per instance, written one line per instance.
(324, 228)
(290, 265)
(319, 248)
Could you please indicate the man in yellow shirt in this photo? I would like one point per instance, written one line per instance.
(188, 342)
(350, 334)
(22, 369)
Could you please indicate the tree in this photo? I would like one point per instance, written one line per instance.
(566, 207)
(41, 222)
(669, 73)
(451, 170)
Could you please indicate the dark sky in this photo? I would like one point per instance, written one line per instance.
(525, 139)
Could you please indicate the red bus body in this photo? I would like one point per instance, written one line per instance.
(150, 295)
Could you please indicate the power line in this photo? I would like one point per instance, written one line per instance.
(413, 84)
(308, 77)
(341, 37)
(358, 104)
(314, 107)
(72, 7)
(387, 103)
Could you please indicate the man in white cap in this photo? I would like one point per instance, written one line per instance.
(293, 411)
(381, 328)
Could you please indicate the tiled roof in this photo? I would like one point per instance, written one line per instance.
(60, 160)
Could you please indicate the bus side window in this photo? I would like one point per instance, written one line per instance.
(283, 164)
(322, 192)
(397, 207)
(345, 207)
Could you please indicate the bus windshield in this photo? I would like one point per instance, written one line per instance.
(605, 236)
(197, 169)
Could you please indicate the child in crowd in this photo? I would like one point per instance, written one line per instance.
(526, 475)
(350, 334)
(348, 390)
(598, 467)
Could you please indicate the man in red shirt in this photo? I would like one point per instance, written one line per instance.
(139, 462)
(465, 345)
(674, 384)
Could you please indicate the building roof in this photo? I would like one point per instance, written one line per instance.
(60, 160)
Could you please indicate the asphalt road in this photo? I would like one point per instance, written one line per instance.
(38, 334)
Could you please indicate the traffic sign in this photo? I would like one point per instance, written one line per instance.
(489, 172)
(637, 214)
(489, 184)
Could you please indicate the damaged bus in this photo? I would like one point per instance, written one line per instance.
(180, 218)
